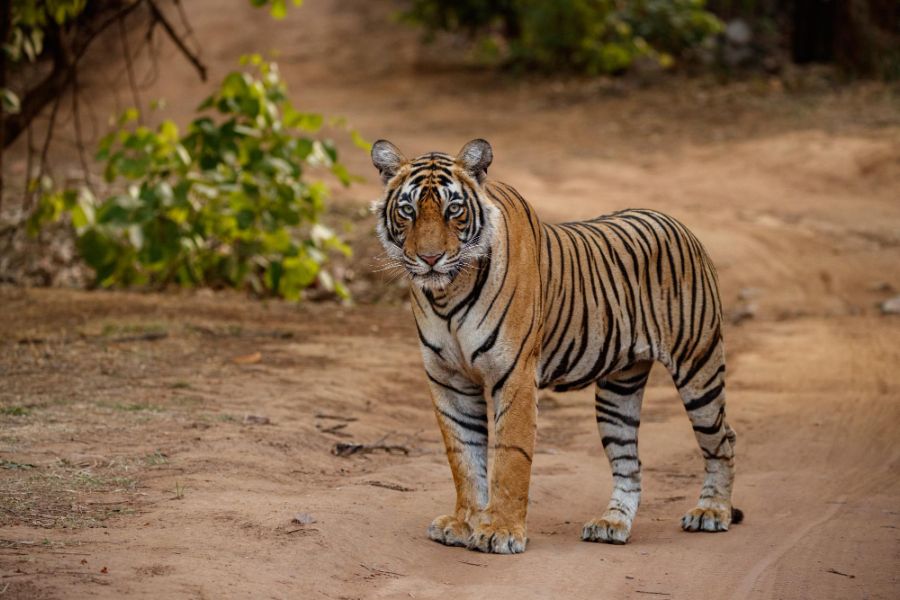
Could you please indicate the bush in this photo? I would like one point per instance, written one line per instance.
(589, 36)
(226, 204)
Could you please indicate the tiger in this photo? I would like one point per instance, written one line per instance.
(505, 305)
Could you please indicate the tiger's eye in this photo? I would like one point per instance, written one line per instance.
(407, 211)
(454, 210)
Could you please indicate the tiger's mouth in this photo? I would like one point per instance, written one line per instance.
(436, 275)
(435, 278)
(443, 273)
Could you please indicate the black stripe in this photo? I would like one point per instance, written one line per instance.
(715, 427)
(502, 381)
(705, 398)
(699, 363)
(608, 440)
(518, 449)
(624, 419)
(473, 394)
(479, 428)
(492, 338)
(620, 390)
(434, 348)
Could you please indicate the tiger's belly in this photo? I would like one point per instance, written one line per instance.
(585, 354)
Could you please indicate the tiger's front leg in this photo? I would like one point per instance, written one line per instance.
(501, 526)
(462, 416)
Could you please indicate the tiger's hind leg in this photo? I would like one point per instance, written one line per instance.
(618, 406)
(701, 384)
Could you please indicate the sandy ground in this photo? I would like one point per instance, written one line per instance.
(160, 446)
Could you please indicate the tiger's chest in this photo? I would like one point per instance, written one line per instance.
(469, 349)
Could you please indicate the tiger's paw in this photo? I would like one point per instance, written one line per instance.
(498, 539)
(707, 518)
(608, 530)
(449, 530)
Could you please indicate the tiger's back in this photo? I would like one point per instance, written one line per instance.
(632, 286)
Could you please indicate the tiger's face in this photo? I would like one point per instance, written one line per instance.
(433, 220)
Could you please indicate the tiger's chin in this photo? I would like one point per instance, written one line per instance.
(433, 281)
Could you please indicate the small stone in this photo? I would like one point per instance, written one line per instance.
(247, 359)
(256, 420)
(303, 519)
(743, 312)
(749, 293)
(891, 306)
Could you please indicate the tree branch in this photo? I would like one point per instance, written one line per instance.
(79, 137)
(193, 58)
(37, 98)
(129, 67)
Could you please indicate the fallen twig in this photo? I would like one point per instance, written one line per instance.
(391, 486)
(334, 429)
(653, 593)
(381, 571)
(474, 564)
(336, 417)
(150, 336)
(16, 543)
(836, 572)
(23, 574)
(351, 448)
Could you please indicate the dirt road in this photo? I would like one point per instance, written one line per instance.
(160, 446)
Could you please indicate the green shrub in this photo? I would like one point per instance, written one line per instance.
(227, 204)
(589, 36)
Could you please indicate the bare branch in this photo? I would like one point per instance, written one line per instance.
(129, 67)
(192, 58)
(79, 138)
(185, 22)
(29, 165)
(153, 74)
(42, 165)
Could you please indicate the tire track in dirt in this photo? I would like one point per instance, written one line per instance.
(747, 585)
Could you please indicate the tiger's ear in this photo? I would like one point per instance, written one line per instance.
(387, 158)
(475, 157)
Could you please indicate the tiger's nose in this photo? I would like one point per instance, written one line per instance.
(431, 258)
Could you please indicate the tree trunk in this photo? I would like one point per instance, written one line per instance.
(5, 24)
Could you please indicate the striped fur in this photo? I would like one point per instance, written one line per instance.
(505, 304)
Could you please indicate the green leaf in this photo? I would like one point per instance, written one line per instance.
(129, 115)
(279, 9)
(311, 122)
(10, 100)
(96, 249)
(360, 142)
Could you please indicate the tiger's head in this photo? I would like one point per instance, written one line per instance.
(434, 219)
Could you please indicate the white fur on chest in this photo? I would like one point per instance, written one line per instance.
(458, 344)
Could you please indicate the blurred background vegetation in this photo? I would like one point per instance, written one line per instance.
(236, 197)
(611, 36)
